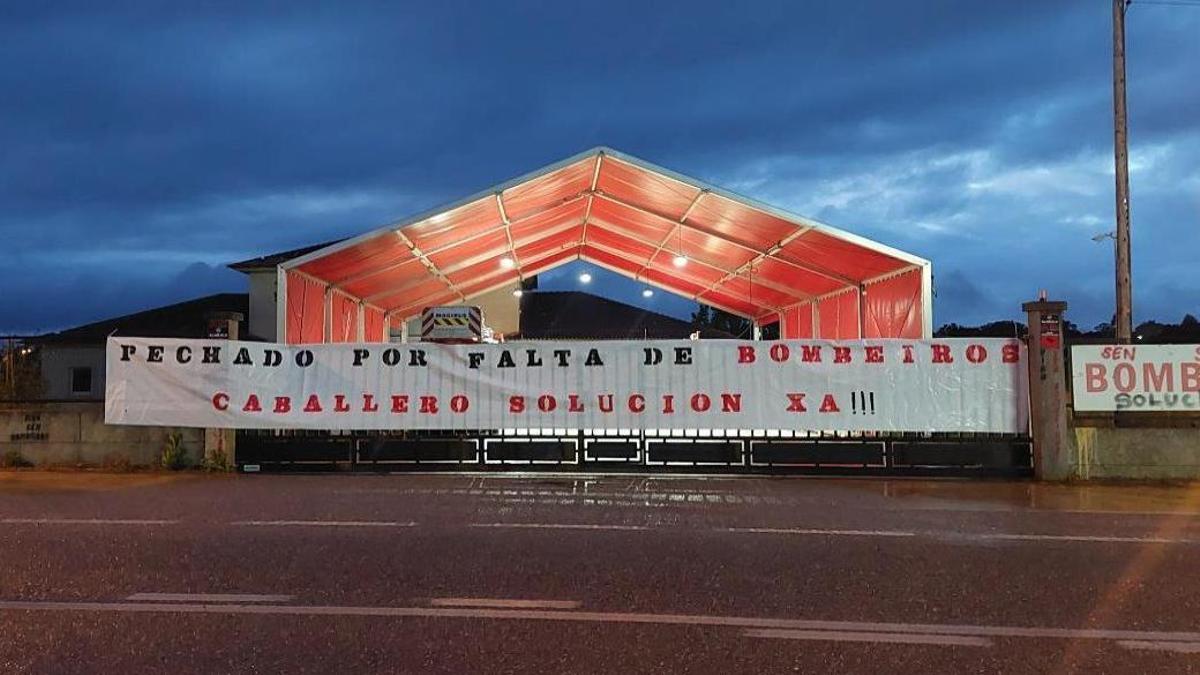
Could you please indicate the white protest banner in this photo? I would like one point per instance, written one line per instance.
(1108, 378)
(880, 385)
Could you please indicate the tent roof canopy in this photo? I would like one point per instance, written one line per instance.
(615, 211)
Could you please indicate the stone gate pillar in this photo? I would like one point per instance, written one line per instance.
(1049, 425)
(220, 444)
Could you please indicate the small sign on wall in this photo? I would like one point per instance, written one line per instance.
(1051, 330)
(218, 329)
(33, 430)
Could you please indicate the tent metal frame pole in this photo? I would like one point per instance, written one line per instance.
(651, 282)
(677, 228)
(429, 263)
(472, 237)
(530, 263)
(698, 298)
(327, 315)
(281, 297)
(615, 229)
(927, 301)
(891, 275)
(761, 256)
(512, 250)
(591, 196)
(474, 260)
(520, 243)
(281, 305)
(406, 311)
(861, 297)
(624, 256)
(834, 276)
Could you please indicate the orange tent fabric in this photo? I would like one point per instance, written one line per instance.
(635, 218)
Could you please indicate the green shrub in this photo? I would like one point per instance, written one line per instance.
(13, 459)
(174, 455)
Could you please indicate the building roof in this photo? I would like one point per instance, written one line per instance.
(182, 320)
(575, 315)
(271, 261)
(615, 211)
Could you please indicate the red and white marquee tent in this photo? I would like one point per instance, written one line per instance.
(623, 214)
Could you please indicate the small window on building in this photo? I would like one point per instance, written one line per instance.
(81, 380)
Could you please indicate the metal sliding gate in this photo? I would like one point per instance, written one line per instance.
(765, 451)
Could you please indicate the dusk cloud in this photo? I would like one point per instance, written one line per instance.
(145, 144)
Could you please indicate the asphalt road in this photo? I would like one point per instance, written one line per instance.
(460, 574)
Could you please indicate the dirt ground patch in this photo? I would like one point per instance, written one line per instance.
(84, 481)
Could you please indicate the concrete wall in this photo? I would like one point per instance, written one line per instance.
(57, 362)
(1142, 453)
(75, 433)
(501, 310)
(263, 290)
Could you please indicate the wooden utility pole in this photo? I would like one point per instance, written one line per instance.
(1124, 322)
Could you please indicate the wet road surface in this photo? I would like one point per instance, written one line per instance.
(455, 574)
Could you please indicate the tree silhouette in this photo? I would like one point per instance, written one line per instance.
(717, 319)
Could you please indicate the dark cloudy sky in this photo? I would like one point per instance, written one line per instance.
(145, 145)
